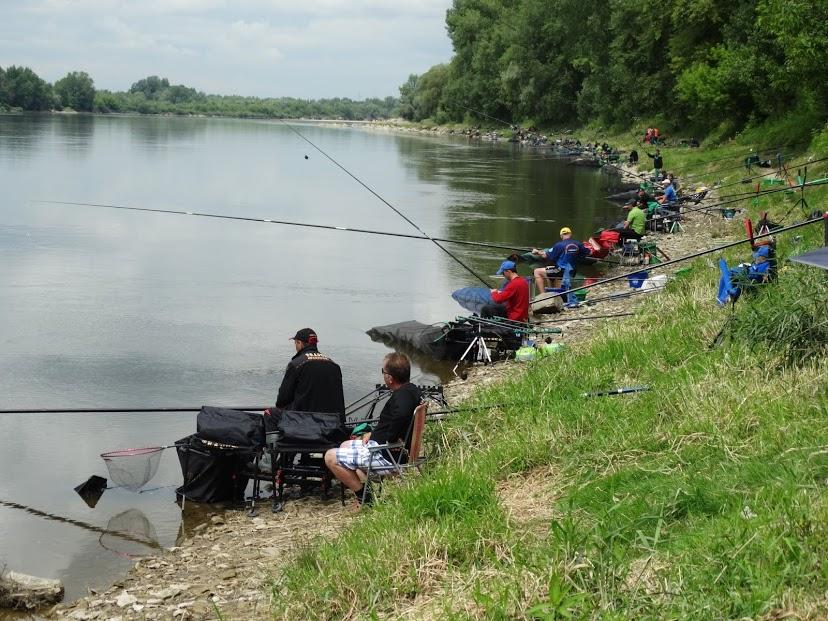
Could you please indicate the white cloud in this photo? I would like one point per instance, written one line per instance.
(315, 48)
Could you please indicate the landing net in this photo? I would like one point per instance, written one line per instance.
(133, 468)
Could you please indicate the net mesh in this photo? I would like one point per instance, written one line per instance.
(133, 468)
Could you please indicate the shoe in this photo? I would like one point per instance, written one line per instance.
(365, 496)
(572, 304)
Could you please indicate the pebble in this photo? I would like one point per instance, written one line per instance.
(125, 599)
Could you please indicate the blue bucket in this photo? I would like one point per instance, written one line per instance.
(637, 279)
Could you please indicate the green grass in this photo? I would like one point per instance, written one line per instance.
(704, 498)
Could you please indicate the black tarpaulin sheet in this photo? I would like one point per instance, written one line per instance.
(413, 333)
(817, 258)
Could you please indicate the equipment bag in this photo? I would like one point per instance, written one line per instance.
(310, 428)
(210, 474)
(242, 429)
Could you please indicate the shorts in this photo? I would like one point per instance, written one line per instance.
(553, 271)
(354, 455)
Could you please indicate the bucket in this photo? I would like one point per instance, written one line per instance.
(525, 354)
(728, 214)
(581, 295)
(656, 282)
(547, 349)
(637, 279)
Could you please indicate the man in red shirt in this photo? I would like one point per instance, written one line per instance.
(513, 301)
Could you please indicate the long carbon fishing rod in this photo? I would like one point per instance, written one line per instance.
(286, 223)
(79, 524)
(753, 195)
(720, 170)
(394, 209)
(745, 180)
(586, 318)
(684, 258)
(756, 151)
(117, 410)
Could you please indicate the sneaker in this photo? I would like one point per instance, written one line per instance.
(572, 304)
(365, 496)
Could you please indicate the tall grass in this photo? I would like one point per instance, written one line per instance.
(702, 498)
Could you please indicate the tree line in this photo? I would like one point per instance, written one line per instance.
(701, 64)
(22, 89)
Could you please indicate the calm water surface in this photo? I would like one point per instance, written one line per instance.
(104, 308)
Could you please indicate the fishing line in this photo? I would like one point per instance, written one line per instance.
(510, 125)
(681, 259)
(284, 222)
(394, 209)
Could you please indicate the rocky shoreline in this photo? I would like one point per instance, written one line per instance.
(225, 567)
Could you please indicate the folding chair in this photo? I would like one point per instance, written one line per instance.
(401, 458)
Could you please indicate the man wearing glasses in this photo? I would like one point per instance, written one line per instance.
(393, 425)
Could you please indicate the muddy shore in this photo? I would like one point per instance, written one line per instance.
(223, 566)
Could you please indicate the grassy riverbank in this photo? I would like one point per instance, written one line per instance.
(703, 498)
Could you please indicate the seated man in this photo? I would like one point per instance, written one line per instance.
(564, 256)
(394, 422)
(670, 197)
(312, 381)
(633, 226)
(513, 301)
(731, 281)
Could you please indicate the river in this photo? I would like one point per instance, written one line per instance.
(116, 308)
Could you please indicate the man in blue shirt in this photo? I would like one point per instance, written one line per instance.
(563, 257)
(731, 281)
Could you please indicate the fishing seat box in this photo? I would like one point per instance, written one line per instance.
(213, 459)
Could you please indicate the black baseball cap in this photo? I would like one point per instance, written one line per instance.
(306, 335)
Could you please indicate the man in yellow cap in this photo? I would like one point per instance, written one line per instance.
(563, 258)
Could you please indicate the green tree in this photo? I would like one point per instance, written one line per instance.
(23, 88)
(407, 94)
(151, 87)
(76, 91)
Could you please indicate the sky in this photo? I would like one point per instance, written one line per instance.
(266, 48)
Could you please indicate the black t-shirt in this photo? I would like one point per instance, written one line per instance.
(395, 418)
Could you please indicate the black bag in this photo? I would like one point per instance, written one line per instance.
(210, 474)
(244, 429)
(310, 428)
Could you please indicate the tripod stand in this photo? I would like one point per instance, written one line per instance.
(800, 202)
(480, 354)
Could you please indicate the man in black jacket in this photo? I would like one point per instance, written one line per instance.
(312, 381)
(393, 426)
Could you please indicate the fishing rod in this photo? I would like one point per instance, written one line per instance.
(84, 525)
(394, 209)
(756, 195)
(284, 222)
(621, 295)
(685, 258)
(719, 170)
(586, 318)
(798, 166)
(616, 391)
(117, 410)
(755, 152)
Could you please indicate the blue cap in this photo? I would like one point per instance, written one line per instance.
(506, 265)
(762, 251)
